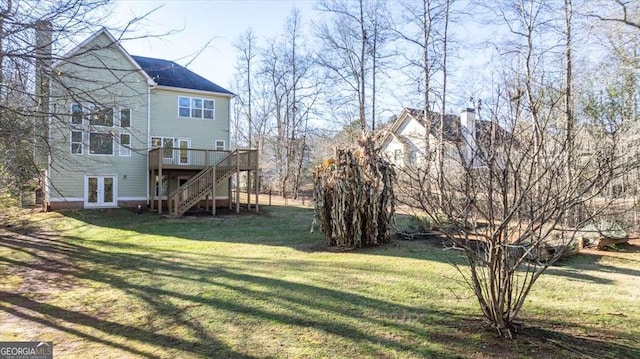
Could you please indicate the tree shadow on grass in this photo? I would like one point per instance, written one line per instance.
(574, 267)
(208, 285)
(346, 315)
(580, 346)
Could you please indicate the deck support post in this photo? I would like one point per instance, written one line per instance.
(237, 182)
(257, 183)
(213, 192)
(160, 182)
(230, 195)
(248, 190)
(152, 189)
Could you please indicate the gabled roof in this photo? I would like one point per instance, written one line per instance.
(82, 47)
(451, 126)
(155, 71)
(169, 73)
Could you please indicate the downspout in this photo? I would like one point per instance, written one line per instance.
(229, 122)
(46, 183)
(150, 85)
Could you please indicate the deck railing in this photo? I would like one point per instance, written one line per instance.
(184, 157)
(214, 166)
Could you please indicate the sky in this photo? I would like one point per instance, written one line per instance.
(196, 22)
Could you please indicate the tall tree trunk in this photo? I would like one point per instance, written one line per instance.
(441, 150)
(568, 103)
(426, 37)
(363, 47)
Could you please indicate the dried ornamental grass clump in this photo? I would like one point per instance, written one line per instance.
(353, 196)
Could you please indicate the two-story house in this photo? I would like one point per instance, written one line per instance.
(407, 139)
(466, 140)
(136, 131)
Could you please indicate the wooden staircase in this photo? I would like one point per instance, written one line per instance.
(201, 185)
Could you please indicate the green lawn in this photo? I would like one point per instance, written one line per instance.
(114, 284)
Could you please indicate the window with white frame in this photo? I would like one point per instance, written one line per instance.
(76, 142)
(100, 143)
(76, 114)
(102, 117)
(162, 186)
(125, 145)
(397, 155)
(196, 108)
(219, 145)
(164, 142)
(89, 111)
(125, 117)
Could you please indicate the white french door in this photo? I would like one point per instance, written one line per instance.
(183, 154)
(100, 191)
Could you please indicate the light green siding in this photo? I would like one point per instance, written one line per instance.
(102, 74)
(203, 133)
(104, 77)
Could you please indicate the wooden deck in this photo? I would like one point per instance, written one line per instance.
(199, 159)
(210, 168)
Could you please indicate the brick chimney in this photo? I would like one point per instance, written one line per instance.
(43, 31)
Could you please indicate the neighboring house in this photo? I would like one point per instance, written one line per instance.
(405, 140)
(129, 130)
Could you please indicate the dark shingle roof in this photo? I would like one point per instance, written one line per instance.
(169, 73)
(452, 127)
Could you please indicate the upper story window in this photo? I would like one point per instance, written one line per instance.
(105, 116)
(219, 145)
(125, 117)
(196, 108)
(76, 114)
(102, 117)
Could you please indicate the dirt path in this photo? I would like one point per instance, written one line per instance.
(33, 267)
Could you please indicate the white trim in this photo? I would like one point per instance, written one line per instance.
(71, 114)
(180, 89)
(119, 111)
(191, 108)
(215, 145)
(162, 138)
(132, 198)
(122, 147)
(66, 199)
(148, 143)
(227, 126)
(179, 154)
(72, 142)
(113, 152)
(100, 199)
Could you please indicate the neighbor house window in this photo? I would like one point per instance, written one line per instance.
(100, 143)
(219, 145)
(164, 142)
(76, 142)
(397, 155)
(196, 108)
(125, 117)
(102, 117)
(76, 114)
(125, 144)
